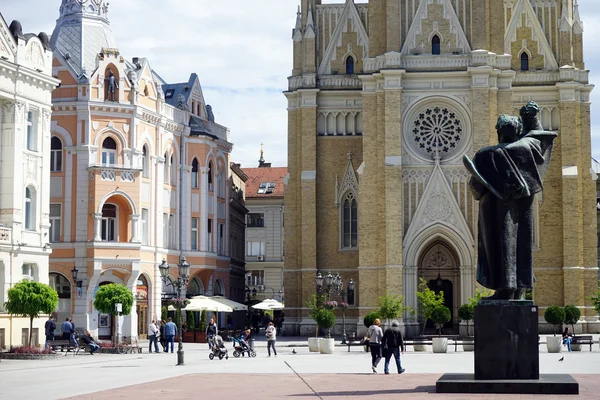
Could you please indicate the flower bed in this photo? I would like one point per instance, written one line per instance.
(28, 353)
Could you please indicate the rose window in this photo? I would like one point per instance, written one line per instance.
(437, 130)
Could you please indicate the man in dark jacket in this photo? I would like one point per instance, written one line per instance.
(50, 327)
(392, 345)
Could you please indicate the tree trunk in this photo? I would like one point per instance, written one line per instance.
(30, 330)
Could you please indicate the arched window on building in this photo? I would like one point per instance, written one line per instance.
(109, 223)
(218, 288)
(524, 61)
(195, 173)
(30, 208)
(349, 65)
(210, 176)
(435, 45)
(166, 170)
(173, 170)
(349, 221)
(56, 149)
(145, 162)
(109, 152)
(221, 183)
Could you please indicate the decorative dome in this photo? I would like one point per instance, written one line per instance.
(70, 8)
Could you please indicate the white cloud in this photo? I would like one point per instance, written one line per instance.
(242, 52)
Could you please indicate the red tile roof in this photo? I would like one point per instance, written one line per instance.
(256, 176)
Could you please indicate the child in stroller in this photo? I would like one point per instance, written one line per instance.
(240, 345)
(217, 348)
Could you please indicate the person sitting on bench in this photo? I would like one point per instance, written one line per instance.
(567, 338)
(90, 342)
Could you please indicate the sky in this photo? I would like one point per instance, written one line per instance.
(242, 52)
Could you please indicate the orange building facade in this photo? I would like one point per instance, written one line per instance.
(138, 174)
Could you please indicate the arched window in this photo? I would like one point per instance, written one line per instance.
(32, 122)
(109, 222)
(61, 284)
(210, 176)
(435, 45)
(350, 221)
(109, 152)
(195, 173)
(221, 183)
(218, 288)
(349, 65)
(173, 170)
(524, 61)
(195, 287)
(55, 154)
(30, 208)
(166, 169)
(145, 162)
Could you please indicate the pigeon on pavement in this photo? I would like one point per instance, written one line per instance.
(561, 359)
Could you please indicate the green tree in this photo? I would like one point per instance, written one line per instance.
(391, 306)
(203, 321)
(440, 316)
(428, 301)
(325, 319)
(164, 313)
(30, 299)
(554, 315)
(315, 305)
(479, 294)
(596, 300)
(572, 315)
(370, 318)
(190, 320)
(109, 295)
(466, 313)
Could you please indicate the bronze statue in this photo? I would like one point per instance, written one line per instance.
(505, 179)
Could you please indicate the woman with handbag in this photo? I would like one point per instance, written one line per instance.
(271, 334)
(374, 338)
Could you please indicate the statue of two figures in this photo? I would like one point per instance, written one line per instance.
(111, 85)
(504, 179)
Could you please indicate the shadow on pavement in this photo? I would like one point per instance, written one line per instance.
(370, 392)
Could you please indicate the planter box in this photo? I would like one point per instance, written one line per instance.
(575, 346)
(554, 344)
(326, 346)
(188, 337)
(23, 356)
(440, 345)
(313, 345)
(420, 347)
(200, 337)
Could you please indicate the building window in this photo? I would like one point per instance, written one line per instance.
(145, 226)
(218, 288)
(30, 209)
(109, 152)
(210, 176)
(32, 131)
(435, 45)
(209, 237)
(254, 278)
(256, 249)
(194, 233)
(61, 284)
(173, 170)
(55, 217)
(350, 222)
(524, 62)
(221, 242)
(109, 222)
(195, 173)
(166, 170)
(349, 65)
(221, 183)
(256, 220)
(171, 231)
(266, 187)
(145, 162)
(55, 154)
(29, 271)
(165, 230)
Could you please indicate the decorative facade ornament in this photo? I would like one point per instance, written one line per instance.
(437, 130)
(87, 7)
(349, 183)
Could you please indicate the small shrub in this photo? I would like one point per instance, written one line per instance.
(554, 315)
(572, 315)
(440, 316)
(466, 313)
(325, 319)
(370, 318)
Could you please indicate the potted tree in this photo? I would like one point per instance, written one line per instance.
(201, 333)
(315, 304)
(108, 296)
(572, 315)
(440, 316)
(188, 333)
(428, 301)
(554, 315)
(466, 313)
(391, 306)
(325, 319)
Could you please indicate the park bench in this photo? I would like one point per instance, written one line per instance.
(582, 339)
(63, 343)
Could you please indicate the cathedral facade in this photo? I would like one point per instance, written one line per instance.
(384, 100)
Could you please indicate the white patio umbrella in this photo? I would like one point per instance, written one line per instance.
(199, 303)
(268, 304)
(235, 306)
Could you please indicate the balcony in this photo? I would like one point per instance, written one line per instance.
(115, 173)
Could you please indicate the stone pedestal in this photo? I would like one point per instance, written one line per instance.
(506, 340)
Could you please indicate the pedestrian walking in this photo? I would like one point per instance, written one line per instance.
(375, 336)
(271, 334)
(392, 345)
(65, 329)
(162, 337)
(211, 331)
(153, 335)
(49, 327)
(170, 332)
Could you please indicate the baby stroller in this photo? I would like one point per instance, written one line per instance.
(240, 347)
(217, 348)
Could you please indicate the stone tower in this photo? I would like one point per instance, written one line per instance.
(385, 98)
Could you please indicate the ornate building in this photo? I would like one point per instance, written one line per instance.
(26, 84)
(237, 240)
(139, 174)
(384, 99)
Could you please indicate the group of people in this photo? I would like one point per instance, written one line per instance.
(385, 344)
(258, 321)
(67, 329)
(165, 334)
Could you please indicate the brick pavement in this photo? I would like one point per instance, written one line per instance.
(312, 386)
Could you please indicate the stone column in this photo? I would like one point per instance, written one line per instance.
(135, 219)
(97, 227)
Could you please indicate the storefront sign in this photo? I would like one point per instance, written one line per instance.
(141, 293)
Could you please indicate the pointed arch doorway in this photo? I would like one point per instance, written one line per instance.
(439, 265)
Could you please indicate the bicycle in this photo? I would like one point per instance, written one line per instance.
(125, 347)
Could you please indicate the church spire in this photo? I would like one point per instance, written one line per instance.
(310, 31)
(565, 21)
(297, 35)
(577, 24)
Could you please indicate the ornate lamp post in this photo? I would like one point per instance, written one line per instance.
(328, 284)
(182, 281)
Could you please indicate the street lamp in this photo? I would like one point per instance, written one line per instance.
(74, 272)
(182, 281)
(329, 284)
